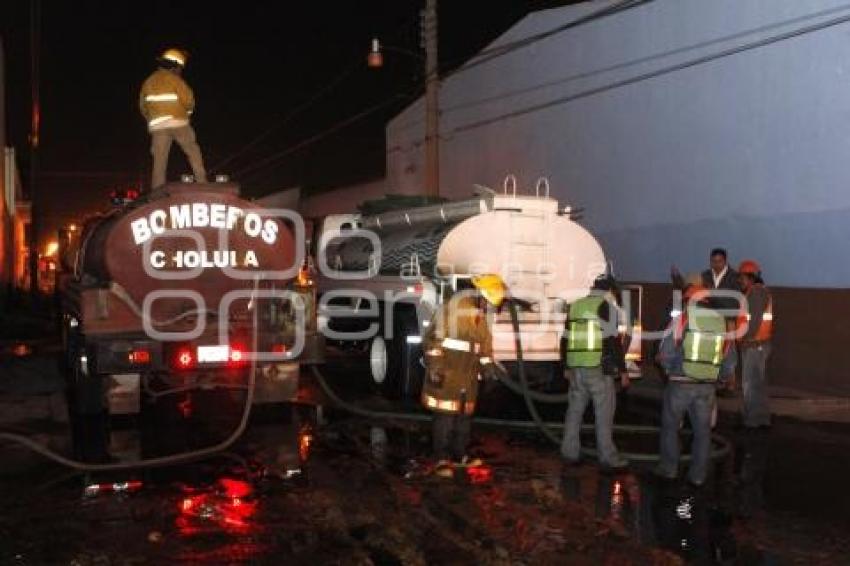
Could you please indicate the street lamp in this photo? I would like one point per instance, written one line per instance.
(375, 60)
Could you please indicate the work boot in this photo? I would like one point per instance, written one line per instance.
(660, 473)
(616, 464)
(467, 462)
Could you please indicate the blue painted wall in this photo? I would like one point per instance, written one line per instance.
(750, 151)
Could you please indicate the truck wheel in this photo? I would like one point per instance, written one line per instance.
(86, 412)
(404, 371)
(85, 391)
(378, 360)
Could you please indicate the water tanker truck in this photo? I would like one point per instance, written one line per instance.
(384, 274)
(190, 286)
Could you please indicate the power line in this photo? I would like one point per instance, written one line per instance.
(646, 59)
(270, 160)
(290, 116)
(650, 75)
(501, 50)
(336, 81)
(489, 55)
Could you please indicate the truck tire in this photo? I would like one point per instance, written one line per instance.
(404, 370)
(378, 360)
(87, 412)
(85, 392)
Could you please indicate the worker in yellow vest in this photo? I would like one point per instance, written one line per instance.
(694, 353)
(458, 346)
(595, 355)
(167, 102)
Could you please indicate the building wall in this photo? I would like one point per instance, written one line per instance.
(677, 126)
(6, 229)
(745, 151)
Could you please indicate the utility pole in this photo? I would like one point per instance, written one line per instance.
(432, 101)
(35, 47)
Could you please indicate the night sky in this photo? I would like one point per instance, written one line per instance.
(250, 66)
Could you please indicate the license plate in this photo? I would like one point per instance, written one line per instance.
(213, 354)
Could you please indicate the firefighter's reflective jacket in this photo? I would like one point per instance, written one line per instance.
(458, 343)
(165, 100)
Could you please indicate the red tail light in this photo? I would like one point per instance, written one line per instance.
(184, 358)
(238, 356)
(139, 357)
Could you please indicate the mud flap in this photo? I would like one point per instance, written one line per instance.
(277, 383)
(123, 394)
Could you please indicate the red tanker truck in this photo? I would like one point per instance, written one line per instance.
(187, 287)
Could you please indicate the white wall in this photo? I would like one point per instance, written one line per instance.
(750, 151)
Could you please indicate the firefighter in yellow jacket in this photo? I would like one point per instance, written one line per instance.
(167, 102)
(457, 346)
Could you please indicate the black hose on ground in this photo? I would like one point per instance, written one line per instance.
(719, 452)
(162, 460)
(546, 428)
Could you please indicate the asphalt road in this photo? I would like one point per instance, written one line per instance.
(322, 487)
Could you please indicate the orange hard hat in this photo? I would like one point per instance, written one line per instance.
(750, 267)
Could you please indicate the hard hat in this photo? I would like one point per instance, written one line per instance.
(749, 267)
(605, 282)
(492, 288)
(176, 56)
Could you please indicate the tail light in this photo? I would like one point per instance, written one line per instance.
(139, 357)
(184, 358)
(238, 356)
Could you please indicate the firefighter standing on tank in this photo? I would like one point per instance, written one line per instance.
(167, 102)
(458, 347)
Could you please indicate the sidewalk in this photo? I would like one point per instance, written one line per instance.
(784, 401)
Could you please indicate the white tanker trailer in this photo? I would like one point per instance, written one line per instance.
(382, 276)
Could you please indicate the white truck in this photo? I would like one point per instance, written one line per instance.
(382, 276)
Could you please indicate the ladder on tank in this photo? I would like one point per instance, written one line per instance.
(529, 252)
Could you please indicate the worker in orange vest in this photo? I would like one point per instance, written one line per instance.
(755, 329)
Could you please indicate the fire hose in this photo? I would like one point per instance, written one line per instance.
(161, 461)
(721, 450)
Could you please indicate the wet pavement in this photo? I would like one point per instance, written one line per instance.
(323, 487)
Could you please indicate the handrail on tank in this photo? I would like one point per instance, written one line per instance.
(510, 181)
(542, 181)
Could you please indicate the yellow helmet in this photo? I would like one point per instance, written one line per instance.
(176, 56)
(491, 287)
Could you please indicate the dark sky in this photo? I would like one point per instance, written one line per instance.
(251, 64)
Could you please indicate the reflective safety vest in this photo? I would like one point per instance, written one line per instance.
(584, 333)
(702, 344)
(765, 330)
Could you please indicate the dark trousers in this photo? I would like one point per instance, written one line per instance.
(451, 435)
